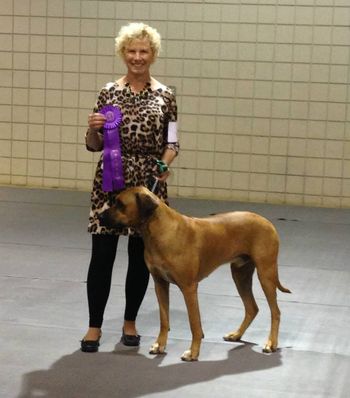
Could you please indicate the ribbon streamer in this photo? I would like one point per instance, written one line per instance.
(112, 177)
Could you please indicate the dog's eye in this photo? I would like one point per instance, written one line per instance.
(119, 204)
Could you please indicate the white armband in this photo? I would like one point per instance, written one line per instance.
(172, 132)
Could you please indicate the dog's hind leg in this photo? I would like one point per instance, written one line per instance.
(162, 291)
(268, 282)
(243, 278)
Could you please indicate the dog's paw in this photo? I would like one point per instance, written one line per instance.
(268, 348)
(233, 336)
(157, 349)
(187, 356)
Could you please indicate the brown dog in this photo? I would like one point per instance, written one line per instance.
(184, 250)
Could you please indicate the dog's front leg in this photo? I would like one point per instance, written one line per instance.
(162, 291)
(191, 300)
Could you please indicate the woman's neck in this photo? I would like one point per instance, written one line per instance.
(137, 83)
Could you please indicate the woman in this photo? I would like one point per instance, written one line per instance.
(147, 136)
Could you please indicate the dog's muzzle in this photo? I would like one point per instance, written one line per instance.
(106, 220)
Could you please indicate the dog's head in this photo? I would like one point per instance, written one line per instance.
(131, 208)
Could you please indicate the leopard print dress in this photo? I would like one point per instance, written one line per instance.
(143, 136)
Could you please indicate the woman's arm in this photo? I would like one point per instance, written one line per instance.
(168, 156)
(94, 134)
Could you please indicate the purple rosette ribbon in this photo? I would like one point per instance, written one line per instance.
(112, 177)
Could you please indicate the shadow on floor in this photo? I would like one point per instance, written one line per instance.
(110, 375)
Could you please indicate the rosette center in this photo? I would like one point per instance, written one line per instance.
(113, 116)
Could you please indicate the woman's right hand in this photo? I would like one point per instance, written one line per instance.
(96, 121)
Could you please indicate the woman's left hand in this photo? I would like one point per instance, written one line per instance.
(161, 170)
(162, 177)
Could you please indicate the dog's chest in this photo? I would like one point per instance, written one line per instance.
(161, 271)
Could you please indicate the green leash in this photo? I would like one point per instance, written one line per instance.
(162, 167)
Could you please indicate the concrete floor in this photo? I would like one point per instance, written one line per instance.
(45, 251)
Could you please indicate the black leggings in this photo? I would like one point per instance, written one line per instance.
(104, 248)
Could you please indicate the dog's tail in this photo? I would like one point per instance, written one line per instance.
(282, 288)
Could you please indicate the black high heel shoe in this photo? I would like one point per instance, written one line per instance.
(130, 340)
(90, 345)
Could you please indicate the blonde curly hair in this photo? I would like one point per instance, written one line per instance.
(137, 30)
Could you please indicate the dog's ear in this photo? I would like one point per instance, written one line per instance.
(146, 205)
